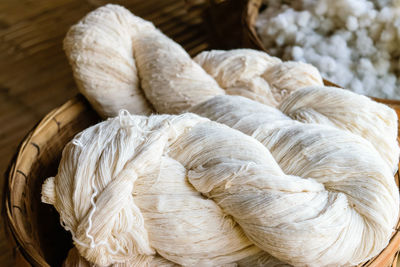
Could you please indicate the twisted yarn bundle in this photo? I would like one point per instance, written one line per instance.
(292, 172)
(302, 97)
(128, 178)
(138, 169)
(256, 75)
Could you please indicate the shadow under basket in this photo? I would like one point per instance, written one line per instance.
(35, 227)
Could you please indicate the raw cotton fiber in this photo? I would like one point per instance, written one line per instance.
(277, 170)
(202, 194)
(353, 43)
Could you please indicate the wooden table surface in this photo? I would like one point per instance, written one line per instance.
(35, 76)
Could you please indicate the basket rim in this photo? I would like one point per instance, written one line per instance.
(21, 162)
(78, 104)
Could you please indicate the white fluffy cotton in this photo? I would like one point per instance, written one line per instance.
(354, 43)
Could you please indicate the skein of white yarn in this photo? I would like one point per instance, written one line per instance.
(174, 88)
(301, 96)
(256, 75)
(110, 47)
(345, 110)
(122, 192)
(347, 165)
(170, 89)
(100, 51)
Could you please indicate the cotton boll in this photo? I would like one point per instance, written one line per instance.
(297, 53)
(352, 23)
(328, 64)
(343, 75)
(385, 14)
(280, 39)
(388, 85)
(365, 66)
(343, 38)
(321, 8)
(271, 31)
(364, 44)
(345, 35)
(339, 47)
(372, 13)
(367, 18)
(314, 23)
(369, 82)
(281, 21)
(357, 86)
(303, 18)
(301, 38)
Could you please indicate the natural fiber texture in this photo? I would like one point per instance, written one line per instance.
(136, 168)
(257, 75)
(345, 110)
(134, 186)
(245, 72)
(346, 164)
(324, 105)
(99, 49)
(109, 46)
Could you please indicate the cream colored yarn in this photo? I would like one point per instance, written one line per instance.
(307, 100)
(128, 178)
(108, 48)
(256, 75)
(122, 191)
(343, 109)
(344, 163)
(325, 196)
(102, 60)
(111, 84)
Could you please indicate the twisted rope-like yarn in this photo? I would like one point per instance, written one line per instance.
(309, 182)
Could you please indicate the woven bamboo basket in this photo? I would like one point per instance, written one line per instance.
(34, 227)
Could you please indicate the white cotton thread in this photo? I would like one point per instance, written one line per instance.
(92, 211)
(125, 119)
(280, 193)
(77, 142)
